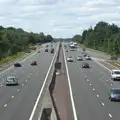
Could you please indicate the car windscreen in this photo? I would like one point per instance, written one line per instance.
(117, 72)
(116, 91)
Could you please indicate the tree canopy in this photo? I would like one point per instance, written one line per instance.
(103, 37)
(14, 40)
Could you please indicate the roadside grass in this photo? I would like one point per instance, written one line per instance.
(12, 57)
(18, 55)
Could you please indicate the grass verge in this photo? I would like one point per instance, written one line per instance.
(12, 57)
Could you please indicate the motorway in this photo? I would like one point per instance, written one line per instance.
(17, 102)
(90, 89)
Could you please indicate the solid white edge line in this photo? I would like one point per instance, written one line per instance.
(102, 65)
(70, 89)
(41, 90)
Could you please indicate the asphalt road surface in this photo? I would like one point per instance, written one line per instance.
(16, 102)
(90, 89)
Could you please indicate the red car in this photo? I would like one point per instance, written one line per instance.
(34, 63)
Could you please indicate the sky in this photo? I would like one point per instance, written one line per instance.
(60, 18)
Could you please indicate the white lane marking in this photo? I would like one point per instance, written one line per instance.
(21, 61)
(87, 80)
(110, 115)
(103, 104)
(97, 95)
(18, 90)
(29, 77)
(85, 76)
(40, 93)
(5, 105)
(111, 84)
(70, 89)
(12, 97)
(31, 73)
(1, 85)
(90, 84)
(107, 80)
(102, 65)
(22, 84)
(93, 89)
(26, 80)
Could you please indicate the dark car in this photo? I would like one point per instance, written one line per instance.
(114, 94)
(85, 54)
(52, 50)
(17, 65)
(85, 65)
(33, 63)
(46, 50)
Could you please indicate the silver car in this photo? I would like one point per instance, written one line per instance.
(11, 80)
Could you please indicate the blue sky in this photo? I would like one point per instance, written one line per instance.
(60, 18)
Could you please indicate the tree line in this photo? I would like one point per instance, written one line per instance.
(103, 37)
(14, 40)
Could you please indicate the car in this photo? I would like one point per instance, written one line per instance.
(88, 58)
(52, 50)
(17, 64)
(114, 94)
(70, 59)
(47, 45)
(84, 54)
(46, 50)
(33, 63)
(66, 51)
(11, 80)
(85, 65)
(115, 74)
(79, 58)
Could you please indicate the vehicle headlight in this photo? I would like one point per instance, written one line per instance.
(113, 96)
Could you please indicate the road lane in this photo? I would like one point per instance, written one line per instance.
(27, 87)
(88, 107)
(98, 82)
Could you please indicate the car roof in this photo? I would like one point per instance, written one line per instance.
(115, 88)
(115, 70)
(11, 77)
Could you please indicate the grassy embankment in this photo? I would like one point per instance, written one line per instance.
(16, 56)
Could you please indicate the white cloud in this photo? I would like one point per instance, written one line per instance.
(61, 18)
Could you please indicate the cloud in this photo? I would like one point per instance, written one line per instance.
(61, 18)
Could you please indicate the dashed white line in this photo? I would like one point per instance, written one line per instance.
(1, 85)
(107, 80)
(22, 84)
(111, 84)
(5, 105)
(87, 80)
(90, 84)
(103, 104)
(26, 80)
(18, 90)
(85, 76)
(31, 73)
(110, 115)
(97, 95)
(12, 97)
(93, 89)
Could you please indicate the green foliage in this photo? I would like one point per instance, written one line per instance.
(14, 40)
(103, 37)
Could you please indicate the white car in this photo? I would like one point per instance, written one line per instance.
(70, 59)
(11, 80)
(88, 58)
(115, 74)
(79, 58)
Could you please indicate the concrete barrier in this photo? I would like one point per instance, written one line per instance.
(46, 109)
